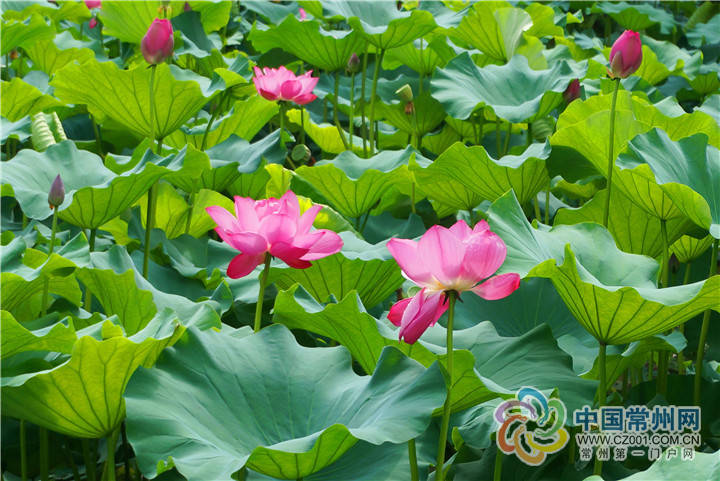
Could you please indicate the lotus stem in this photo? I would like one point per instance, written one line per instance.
(352, 108)
(365, 219)
(507, 139)
(373, 93)
(261, 295)
(151, 192)
(191, 202)
(302, 125)
(412, 197)
(412, 455)
(210, 122)
(98, 140)
(126, 452)
(44, 454)
(601, 394)
(536, 206)
(498, 144)
(91, 247)
(422, 68)
(283, 107)
(23, 451)
(681, 327)
(497, 472)
(547, 204)
(336, 117)
(362, 96)
(704, 331)
(110, 459)
(611, 157)
(661, 386)
(439, 473)
(89, 458)
(46, 284)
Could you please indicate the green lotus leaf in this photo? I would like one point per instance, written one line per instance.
(27, 271)
(21, 99)
(483, 177)
(543, 21)
(354, 185)
(17, 338)
(124, 95)
(495, 28)
(637, 16)
(279, 424)
(173, 210)
(202, 259)
(307, 40)
(633, 230)
(514, 91)
(428, 114)
(49, 57)
(74, 11)
(374, 277)
(687, 171)
(245, 119)
(83, 397)
(93, 193)
(704, 33)
(381, 23)
(688, 248)
(136, 300)
(325, 135)
(18, 34)
(652, 70)
(365, 337)
(613, 294)
(676, 59)
(423, 56)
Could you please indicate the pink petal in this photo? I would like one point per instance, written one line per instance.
(442, 253)
(484, 254)
(461, 230)
(321, 243)
(397, 310)
(498, 287)
(267, 94)
(224, 219)
(290, 88)
(290, 205)
(405, 253)
(290, 254)
(245, 212)
(243, 264)
(304, 99)
(246, 242)
(277, 228)
(421, 312)
(307, 219)
(481, 227)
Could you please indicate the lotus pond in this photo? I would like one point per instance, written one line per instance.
(360, 240)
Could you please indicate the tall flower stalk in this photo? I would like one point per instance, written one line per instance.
(444, 424)
(704, 331)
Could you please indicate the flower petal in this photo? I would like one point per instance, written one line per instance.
(484, 254)
(406, 255)
(304, 99)
(321, 243)
(307, 219)
(290, 254)
(290, 89)
(224, 219)
(442, 252)
(461, 230)
(246, 242)
(498, 287)
(245, 212)
(421, 312)
(397, 310)
(277, 228)
(243, 264)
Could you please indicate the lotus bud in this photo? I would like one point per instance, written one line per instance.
(405, 93)
(353, 64)
(56, 196)
(303, 14)
(300, 153)
(90, 4)
(572, 92)
(157, 44)
(93, 22)
(187, 7)
(625, 55)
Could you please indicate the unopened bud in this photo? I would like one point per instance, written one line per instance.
(56, 196)
(300, 153)
(353, 64)
(405, 93)
(187, 7)
(572, 92)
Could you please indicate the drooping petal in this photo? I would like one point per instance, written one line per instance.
(484, 254)
(304, 99)
(442, 252)
(290, 254)
(405, 253)
(321, 243)
(243, 264)
(421, 312)
(396, 311)
(498, 287)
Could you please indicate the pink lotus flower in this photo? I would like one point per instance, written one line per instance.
(93, 4)
(454, 259)
(282, 84)
(272, 226)
(625, 55)
(93, 22)
(157, 44)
